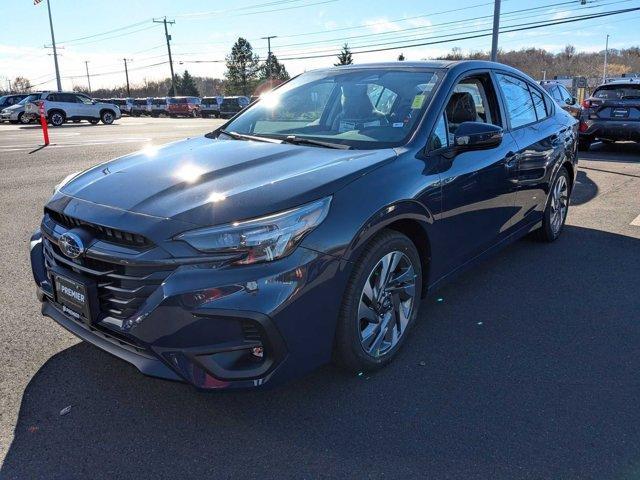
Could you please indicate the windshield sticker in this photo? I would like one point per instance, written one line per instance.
(374, 123)
(346, 126)
(418, 101)
(398, 125)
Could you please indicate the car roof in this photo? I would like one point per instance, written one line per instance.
(624, 81)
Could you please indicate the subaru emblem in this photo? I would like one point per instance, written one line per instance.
(71, 245)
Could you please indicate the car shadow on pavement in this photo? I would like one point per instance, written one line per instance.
(619, 152)
(525, 366)
(585, 189)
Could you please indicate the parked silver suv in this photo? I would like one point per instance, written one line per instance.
(62, 106)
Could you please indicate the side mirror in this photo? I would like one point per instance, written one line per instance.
(477, 136)
(571, 100)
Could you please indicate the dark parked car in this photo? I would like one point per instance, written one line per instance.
(611, 114)
(562, 97)
(309, 227)
(232, 105)
(210, 107)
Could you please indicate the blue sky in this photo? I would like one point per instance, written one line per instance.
(204, 32)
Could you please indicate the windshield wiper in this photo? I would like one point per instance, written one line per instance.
(310, 141)
(243, 136)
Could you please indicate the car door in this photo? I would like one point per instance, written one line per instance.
(85, 107)
(540, 139)
(478, 193)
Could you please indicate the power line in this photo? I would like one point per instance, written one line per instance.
(473, 36)
(450, 36)
(126, 27)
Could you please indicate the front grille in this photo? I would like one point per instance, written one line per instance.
(104, 233)
(122, 289)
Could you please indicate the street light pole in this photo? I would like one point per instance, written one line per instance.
(168, 37)
(606, 58)
(496, 28)
(126, 72)
(55, 52)
(268, 39)
(86, 66)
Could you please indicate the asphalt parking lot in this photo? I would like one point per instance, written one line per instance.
(526, 367)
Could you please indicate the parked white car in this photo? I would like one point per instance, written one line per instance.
(62, 106)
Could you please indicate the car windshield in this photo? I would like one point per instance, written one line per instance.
(30, 98)
(617, 92)
(362, 108)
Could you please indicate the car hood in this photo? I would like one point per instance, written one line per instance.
(13, 108)
(207, 181)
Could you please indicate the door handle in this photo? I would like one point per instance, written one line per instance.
(511, 160)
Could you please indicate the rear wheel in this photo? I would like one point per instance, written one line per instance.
(56, 118)
(557, 208)
(380, 304)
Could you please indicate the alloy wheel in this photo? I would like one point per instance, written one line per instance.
(107, 118)
(386, 303)
(57, 119)
(559, 203)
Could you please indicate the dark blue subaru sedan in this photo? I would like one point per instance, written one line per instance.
(308, 227)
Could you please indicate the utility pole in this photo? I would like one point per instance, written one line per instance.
(55, 53)
(86, 66)
(126, 72)
(496, 28)
(268, 39)
(544, 75)
(606, 58)
(168, 37)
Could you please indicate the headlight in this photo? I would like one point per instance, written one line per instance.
(260, 239)
(64, 181)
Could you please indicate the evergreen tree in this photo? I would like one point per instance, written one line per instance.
(188, 85)
(344, 57)
(242, 68)
(273, 69)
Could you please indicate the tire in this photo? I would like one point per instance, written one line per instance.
(584, 144)
(552, 225)
(22, 119)
(56, 118)
(370, 333)
(94, 121)
(107, 117)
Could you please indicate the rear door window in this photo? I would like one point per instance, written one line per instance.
(519, 104)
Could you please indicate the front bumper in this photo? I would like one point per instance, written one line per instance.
(240, 327)
(12, 116)
(611, 129)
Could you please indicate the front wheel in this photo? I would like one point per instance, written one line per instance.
(24, 120)
(557, 208)
(380, 304)
(107, 117)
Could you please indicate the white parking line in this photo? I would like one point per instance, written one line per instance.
(636, 222)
